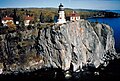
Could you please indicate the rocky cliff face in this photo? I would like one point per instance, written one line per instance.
(79, 44)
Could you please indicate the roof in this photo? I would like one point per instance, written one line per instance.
(74, 14)
(28, 18)
(7, 18)
(60, 5)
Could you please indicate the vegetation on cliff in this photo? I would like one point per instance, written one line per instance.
(48, 14)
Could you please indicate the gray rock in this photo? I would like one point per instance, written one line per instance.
(79, 43)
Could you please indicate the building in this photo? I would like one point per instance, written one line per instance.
(7, 20)
(27, 20)
(61, 15)
(74, 16)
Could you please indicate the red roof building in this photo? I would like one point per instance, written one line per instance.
(74, 16)
(27, 20)
(7, 18)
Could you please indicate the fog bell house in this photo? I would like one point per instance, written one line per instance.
(74, 16)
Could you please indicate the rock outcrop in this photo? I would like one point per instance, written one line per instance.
(79, 44)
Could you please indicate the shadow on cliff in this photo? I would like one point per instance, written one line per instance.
(39, 75)
(111, 72)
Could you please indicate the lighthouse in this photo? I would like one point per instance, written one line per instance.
(61, 15)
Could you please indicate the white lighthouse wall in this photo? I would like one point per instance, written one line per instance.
(61, 18)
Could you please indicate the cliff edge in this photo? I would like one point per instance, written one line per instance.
(79, 44)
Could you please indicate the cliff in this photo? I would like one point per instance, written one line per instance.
(79, 44)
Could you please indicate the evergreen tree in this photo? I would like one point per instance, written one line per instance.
(14, 15)
(41, 18)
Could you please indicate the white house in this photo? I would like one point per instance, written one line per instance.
(61, 15)
(74, 16)
(6, 19)
(27, 20)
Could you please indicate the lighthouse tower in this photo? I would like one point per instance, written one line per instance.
(61, 17)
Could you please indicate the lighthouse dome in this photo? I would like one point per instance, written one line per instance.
(61, 7)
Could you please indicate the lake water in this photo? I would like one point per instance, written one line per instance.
(115, 24)
(116, 11)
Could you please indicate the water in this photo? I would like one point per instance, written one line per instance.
(116, 11)
(115, 24)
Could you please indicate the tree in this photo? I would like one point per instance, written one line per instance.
(0, 19)
(11, 26)
(41, 18)
(14, 15)
(27, 12)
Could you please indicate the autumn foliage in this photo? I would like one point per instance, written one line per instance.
(11, 25)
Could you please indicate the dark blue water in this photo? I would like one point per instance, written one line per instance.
(115, 24)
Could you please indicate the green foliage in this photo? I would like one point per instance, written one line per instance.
(47, 14)
(41, 27)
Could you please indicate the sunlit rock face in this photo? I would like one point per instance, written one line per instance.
(79, 44)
